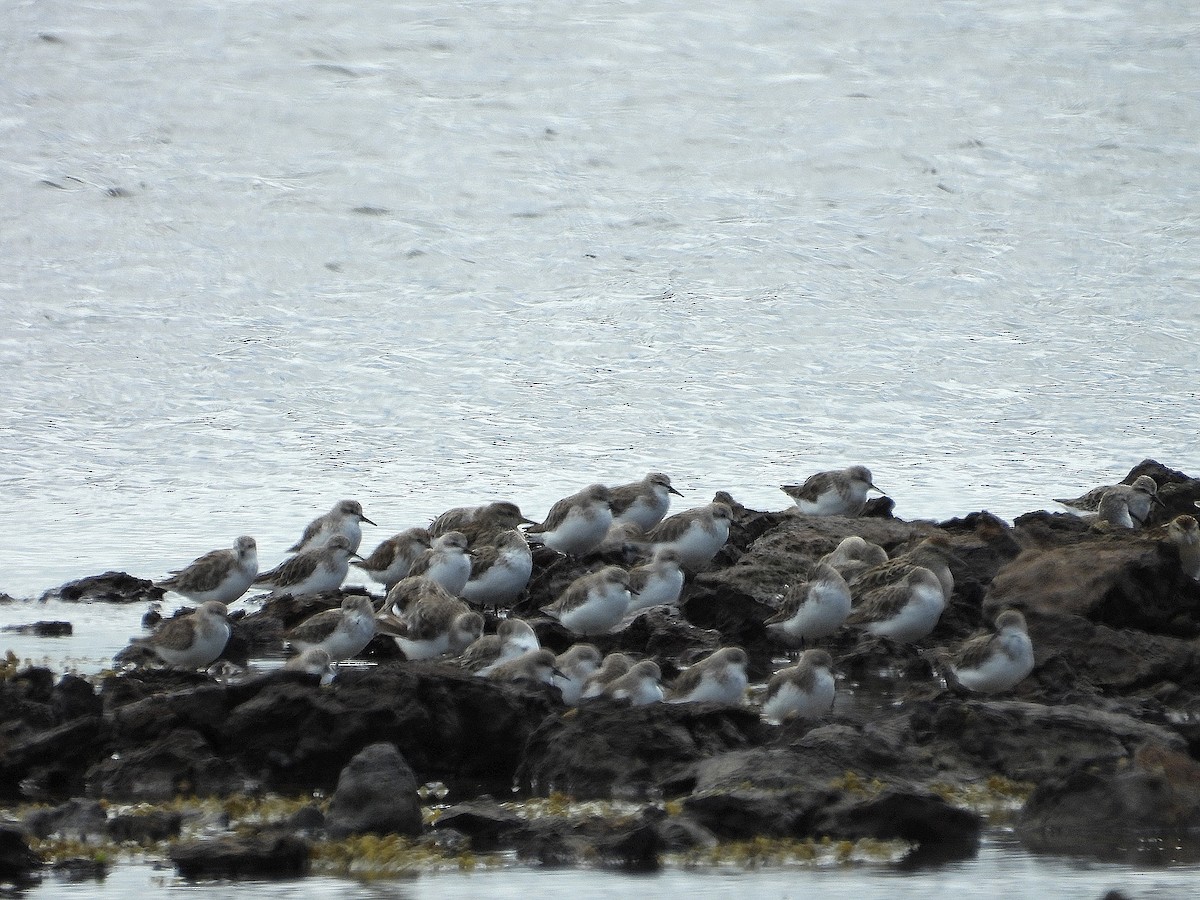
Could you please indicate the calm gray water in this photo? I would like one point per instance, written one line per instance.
(262, 256)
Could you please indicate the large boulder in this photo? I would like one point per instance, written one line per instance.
(377, 794)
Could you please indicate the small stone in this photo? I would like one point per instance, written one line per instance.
(376, 793)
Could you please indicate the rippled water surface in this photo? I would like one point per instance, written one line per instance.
(263, 256)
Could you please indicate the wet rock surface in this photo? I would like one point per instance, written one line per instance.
(1108, 720)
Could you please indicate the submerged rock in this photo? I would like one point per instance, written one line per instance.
(111, 587)
(269, 854)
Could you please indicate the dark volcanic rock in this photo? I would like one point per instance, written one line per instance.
(265, 855)
(1028, 741)
(18, 862)
(78, 819)
(42, 629)
(50, 764)
(1091, 807)
(376, 793)
(607, 748)
(180, 764)
(915, 816)
(111, 587)
(489, 825)
(147, 827)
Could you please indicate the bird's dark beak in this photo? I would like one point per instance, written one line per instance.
(671, 490)
(1158, 500)
(525, 521)
(356, 556)
(368, 521)
(554, 670)
(873, 488)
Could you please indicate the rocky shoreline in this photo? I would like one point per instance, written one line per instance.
(1102, 737)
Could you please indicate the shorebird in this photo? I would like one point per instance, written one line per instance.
(1113, 512)
(992, 663)
(322, 568)
(657, 583)
(577, 664)
(445, 562)
(839, 493)
(513, 637)
(191, 641)
(1139, 497)
(933, 553)
(812, 609)
(222, 575)
(313, 661)
(802, 691)
(479, 523)
(499, 571)
(641, 685)
(392, 559)
(623, 538)
(593, 603)
(342, 633)
(854, 555)
(533, 666)
(1185, 535)
(718, 678)
(904, 611)
(434, 626)
(614, 666)
(695, 534)
(407, 591)
(343, 519)
(643, 503)
(577, 524)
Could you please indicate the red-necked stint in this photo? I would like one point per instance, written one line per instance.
(499, 571)
(658, 582)
(392, 559)
(992, 663)
(905, 611)
(1185, 535)
(513, 637)
(323, 568)
(445, 562)
(1139, 497)
(594, 603)
(474, 521)
(718, 678)
(641, 685)
(812, 609)
(842, 492)
(313, 661)
(803, 691)
(343, 519)
(577, 664)
(191, 641)
(577, 524)
(645, 502)
(433, 627)
(614, 666)
(222, 575)
(854, 555)
(533, 666)
(695, 534)
(343, 633)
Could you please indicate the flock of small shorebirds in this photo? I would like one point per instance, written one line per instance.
(439, 577)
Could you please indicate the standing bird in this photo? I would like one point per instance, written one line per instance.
(643, 503)
(657, 583)
(1113, 512)
(905, 611)
(1139, 497)
(839, 493)
(718, 678)
(222, 575)
(407, 591)
(802, 691)
(435, 626)
(499, 571)
(392, 559)
(812, 609)
(342, 633)
(322, 568)
(577, 524)
(1184, 533)
(191, 641)
(577, 664)
(313, 661)
(593, 603)
(343, 519)
(446, 562)
(478, 521)
(641, 685)
(934, 553)
(695, 534)
(992, 663)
